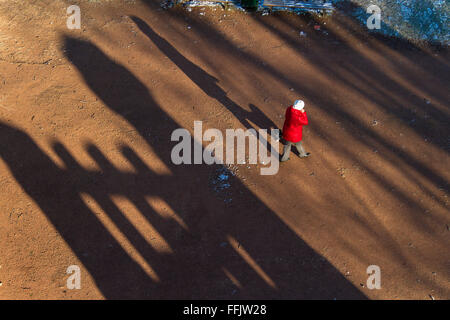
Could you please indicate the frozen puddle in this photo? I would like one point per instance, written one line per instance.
(220, 181)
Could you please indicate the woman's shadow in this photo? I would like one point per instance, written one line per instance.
(206, 82)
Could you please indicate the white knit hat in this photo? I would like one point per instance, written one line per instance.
(299, 104)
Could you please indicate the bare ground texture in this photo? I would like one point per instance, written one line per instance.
(86, 177)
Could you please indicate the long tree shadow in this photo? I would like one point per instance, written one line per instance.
(391, 96)
(237, 249)
(369, 79)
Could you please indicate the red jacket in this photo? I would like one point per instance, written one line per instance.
(293, 124)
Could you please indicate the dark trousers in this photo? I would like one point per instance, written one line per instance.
(287, 150)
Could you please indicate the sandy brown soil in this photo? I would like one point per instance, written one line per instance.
(86, 177)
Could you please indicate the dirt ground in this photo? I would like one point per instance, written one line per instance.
(86, 176)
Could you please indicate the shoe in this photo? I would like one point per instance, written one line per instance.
(306, 155)
(281, 159)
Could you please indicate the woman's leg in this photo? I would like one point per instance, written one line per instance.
(286, 151)
(301, 150)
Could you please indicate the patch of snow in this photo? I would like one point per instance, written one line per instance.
(408, 19)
